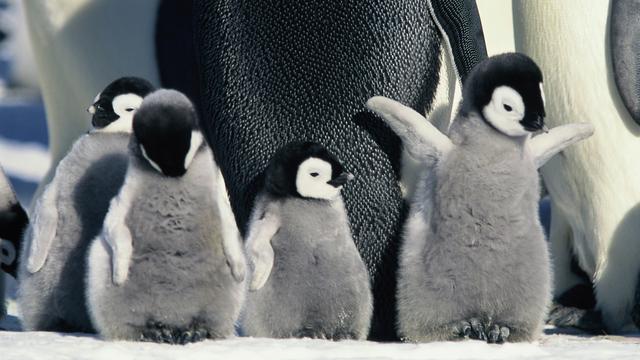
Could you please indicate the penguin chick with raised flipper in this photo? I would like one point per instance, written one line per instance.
(308, 279)
(70, 211)
(474, 261)
(168, 265)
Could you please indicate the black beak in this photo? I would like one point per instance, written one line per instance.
(341, 179)
(533, 122)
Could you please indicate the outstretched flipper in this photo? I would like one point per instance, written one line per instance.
(231, 239)
(43, 229)
(546, 145)
(116, 233)
(259, 246)
(420, 138)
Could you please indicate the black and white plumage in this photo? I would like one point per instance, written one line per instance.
(308, 279)
(69, 213)
(474, 261)
(307, 76)
(168, 265)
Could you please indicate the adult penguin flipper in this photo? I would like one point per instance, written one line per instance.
(420, 138)
(460, 25)
(546, 145)
(625, 52)
(13, 222)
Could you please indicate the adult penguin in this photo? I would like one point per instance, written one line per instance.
(590, 57)
(278, 71)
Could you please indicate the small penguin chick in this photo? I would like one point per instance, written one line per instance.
(474, 262)
(308, 279)
(113, 107)
(168, 265)
(70, 211)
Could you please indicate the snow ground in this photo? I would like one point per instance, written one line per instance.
(17, 345)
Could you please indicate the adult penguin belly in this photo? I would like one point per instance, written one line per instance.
(277, 71)
(594, 186)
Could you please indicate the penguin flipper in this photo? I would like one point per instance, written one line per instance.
(259, 247)
(231, 239)
(546, 145)
(43, 230)
(117, 235)
(420, 138)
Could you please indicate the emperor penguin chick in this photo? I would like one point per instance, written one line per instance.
(70, 211)
(168, 265)
(308, 279)
(474, 262)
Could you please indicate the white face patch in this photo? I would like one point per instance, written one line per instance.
(124, 106)
(196, 141)
(505, 111)
(544, 100)
(312, 177)
(151, 162)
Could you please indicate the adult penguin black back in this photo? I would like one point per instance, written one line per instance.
(276, 72)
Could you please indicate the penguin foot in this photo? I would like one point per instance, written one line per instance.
(471, 329)
(498, 334)
(194, 333)
(583, 319)
(156, 331)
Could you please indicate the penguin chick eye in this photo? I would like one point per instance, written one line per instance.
(507, 107)
(99, 108)
(129, 109)
(314, 174)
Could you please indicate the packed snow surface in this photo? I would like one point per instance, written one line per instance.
(552, 345)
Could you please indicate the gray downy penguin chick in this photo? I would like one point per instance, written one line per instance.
(308, 279)
(70, 211)
(474, 262)
(13, 221)
(168, 265)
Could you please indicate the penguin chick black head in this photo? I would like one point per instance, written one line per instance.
(507, 91)
(166, 130)
(305, 169)
(113, 107)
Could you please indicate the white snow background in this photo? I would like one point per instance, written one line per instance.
(29, 161)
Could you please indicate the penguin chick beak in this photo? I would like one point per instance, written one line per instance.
(533, 123)
(341, 179)
(91, 109)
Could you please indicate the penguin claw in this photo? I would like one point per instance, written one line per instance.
(471, 329)
(498, 334)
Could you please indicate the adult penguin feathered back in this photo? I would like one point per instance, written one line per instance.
(275, 72)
